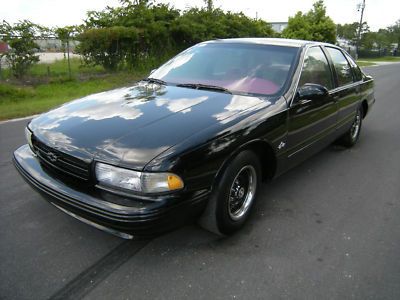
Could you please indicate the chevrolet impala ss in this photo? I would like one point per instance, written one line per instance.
(195, 139)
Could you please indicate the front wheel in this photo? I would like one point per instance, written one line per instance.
(233, 195)
(350, 138)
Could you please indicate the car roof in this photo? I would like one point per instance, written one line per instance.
(271, 41)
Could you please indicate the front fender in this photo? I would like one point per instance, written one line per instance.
(200, 158)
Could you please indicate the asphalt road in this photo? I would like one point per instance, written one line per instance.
(328, 229)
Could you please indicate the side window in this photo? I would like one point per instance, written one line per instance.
(316, 69)
(356, 69)
(342, 67)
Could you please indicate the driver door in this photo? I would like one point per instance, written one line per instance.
(312, 123)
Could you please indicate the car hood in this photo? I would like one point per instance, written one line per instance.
(130, 126)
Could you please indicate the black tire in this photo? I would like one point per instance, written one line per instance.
(233, 195)
(350, 138)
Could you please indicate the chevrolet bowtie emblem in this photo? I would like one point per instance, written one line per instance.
(51, 156)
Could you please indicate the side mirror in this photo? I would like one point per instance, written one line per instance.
(152, 71)
(311, 91)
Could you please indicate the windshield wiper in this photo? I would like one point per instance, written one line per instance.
(200, 86)
(154, 80)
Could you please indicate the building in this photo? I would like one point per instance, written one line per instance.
(279, 26)
(54, 45)
(347, 45)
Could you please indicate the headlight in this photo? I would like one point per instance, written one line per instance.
(129, 180)
(28, 136)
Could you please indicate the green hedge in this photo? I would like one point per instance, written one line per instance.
(108, 47)
(362, 53)
(144, 34)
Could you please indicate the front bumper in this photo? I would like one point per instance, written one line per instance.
(125, 217)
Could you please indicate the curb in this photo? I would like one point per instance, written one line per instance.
(17, 119)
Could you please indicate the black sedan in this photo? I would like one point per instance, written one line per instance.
(196, 138)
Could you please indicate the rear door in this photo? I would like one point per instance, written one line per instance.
(312, 122)
(347, 89)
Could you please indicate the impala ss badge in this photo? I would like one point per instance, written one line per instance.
(281, 145)
(51, 156)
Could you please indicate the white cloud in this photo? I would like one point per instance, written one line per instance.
(181, 104)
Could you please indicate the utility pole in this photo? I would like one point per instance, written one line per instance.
(69, 62)
(362, 7)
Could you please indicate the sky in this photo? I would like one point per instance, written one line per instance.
(378, 13)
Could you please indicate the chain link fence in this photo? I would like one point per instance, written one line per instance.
(49, 50)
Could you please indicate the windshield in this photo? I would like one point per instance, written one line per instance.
(239, 68)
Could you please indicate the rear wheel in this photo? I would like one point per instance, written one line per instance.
(350, 138)
(233, 195)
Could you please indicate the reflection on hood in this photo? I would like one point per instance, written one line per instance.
(135, 124)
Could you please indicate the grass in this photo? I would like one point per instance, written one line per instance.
(58, 70)
(41, 92)
(382, 59)
(365, 63)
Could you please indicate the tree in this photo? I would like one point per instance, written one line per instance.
(64, 34)
(314, 25)
(369, 40)
(109, 47)
(197, 25)
(158, 31)
(376, 40)
(395, 33)
(349, 31)
(21, 39)
(210, 4)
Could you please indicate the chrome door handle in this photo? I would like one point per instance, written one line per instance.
(304, 101)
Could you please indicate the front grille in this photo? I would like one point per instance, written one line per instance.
(61, 162)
